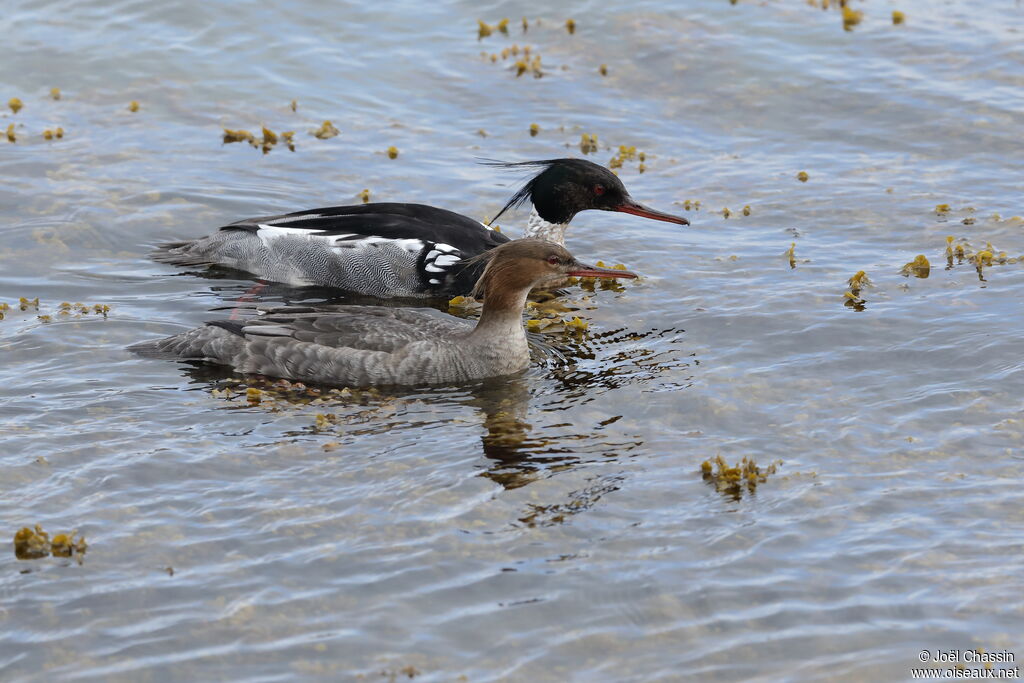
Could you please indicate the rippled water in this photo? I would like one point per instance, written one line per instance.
(555, 526)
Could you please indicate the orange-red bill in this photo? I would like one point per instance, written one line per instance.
(638, 209)
(583, 270)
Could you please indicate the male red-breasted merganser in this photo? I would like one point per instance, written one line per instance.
(375, 345)
(404, 250)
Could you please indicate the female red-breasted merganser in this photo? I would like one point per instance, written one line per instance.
(403, 250)
(375, 345)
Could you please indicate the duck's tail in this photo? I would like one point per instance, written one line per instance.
(184, 253)
(219, 342)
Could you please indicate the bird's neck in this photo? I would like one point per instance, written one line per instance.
(502, 315)
(539, 228)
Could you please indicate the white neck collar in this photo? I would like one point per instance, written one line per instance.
(539, 228)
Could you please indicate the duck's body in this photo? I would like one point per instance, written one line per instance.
(373, 345)
(402, 250)
(381, 249)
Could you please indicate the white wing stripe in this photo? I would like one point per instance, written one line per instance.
(292, 219)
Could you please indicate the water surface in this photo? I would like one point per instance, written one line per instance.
(554, 526)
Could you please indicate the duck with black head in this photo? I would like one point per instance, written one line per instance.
(404, 250)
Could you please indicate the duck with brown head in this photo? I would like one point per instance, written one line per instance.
(373, 345)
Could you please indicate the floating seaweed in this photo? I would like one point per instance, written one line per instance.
(802, 176)
(326, 131)
(859, 281)
(11, 137)
(791, 255)
(733, 480)
(364, 196)
(133, 106)
(15, 104)
(462, 302)
(269, 139)
(534, 129)
(483, 30)
(294, 105)
(55, 93)
(603, 69)
(746, 210)
(570, 26)
(238, 136)
(588, 143)
(919, 267)
(34, 544)
(898, 17)
(851, 17)
(392, 152)
(624, 154)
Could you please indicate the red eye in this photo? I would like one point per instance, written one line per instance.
(599, 190)
(553, 260)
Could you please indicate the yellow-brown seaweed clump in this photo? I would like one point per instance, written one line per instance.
(326, 131)
(859, 281)
(588, 143)
(65, 545)
(802, 176)
(34, 544)
(11, 137)
(898, 17)
(570, 26)
(534, 129)
(392, 152)
(603, 69)
(55, 93)
(483, 30)
(732, 480)
(851, 17)
(31, 544)
(238, 136)
(133, 106)
(625, 153)
(919, 267)
(364, 195)
(15, 104)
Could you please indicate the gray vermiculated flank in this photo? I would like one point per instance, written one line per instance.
(356, 346)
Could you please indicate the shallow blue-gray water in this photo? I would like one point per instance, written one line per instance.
(554, 526)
